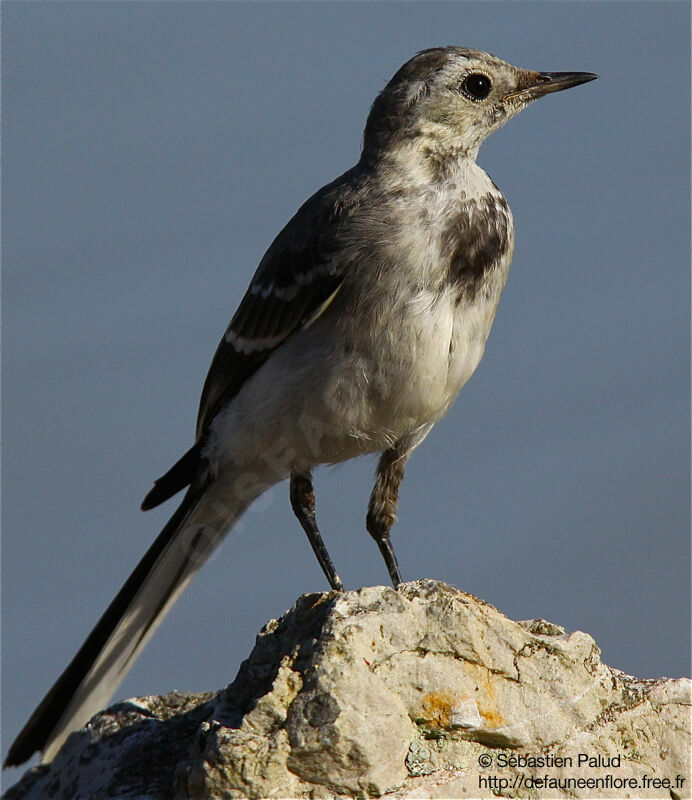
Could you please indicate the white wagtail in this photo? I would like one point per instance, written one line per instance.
(366, 316)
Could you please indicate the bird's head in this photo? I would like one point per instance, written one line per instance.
(451, 98)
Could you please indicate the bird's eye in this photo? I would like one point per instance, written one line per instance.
(476, 86)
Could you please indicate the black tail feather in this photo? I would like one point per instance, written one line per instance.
(36, 733)
(180, 475)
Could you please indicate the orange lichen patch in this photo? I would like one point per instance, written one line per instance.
(485, 695)
(437, 710)
(492, 718)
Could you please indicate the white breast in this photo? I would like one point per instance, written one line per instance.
(471, 328)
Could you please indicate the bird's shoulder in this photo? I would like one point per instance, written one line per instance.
(310, 243)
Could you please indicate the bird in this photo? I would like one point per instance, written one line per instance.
(367, 314)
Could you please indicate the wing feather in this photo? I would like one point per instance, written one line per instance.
(296, 281)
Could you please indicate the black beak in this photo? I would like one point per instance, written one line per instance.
(547, 82)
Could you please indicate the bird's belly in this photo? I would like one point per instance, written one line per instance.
(409, 371)
(420, 358)
(462, 365)
(467, 345)
(329, 399)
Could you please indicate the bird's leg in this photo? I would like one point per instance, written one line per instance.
(303, 504)
(382, 508)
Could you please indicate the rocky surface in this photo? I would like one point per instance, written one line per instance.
(424, 692)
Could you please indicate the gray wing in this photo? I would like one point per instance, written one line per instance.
(295, 282)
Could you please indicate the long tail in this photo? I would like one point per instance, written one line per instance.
(87, 684)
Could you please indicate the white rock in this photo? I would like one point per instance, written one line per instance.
(405, 694)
